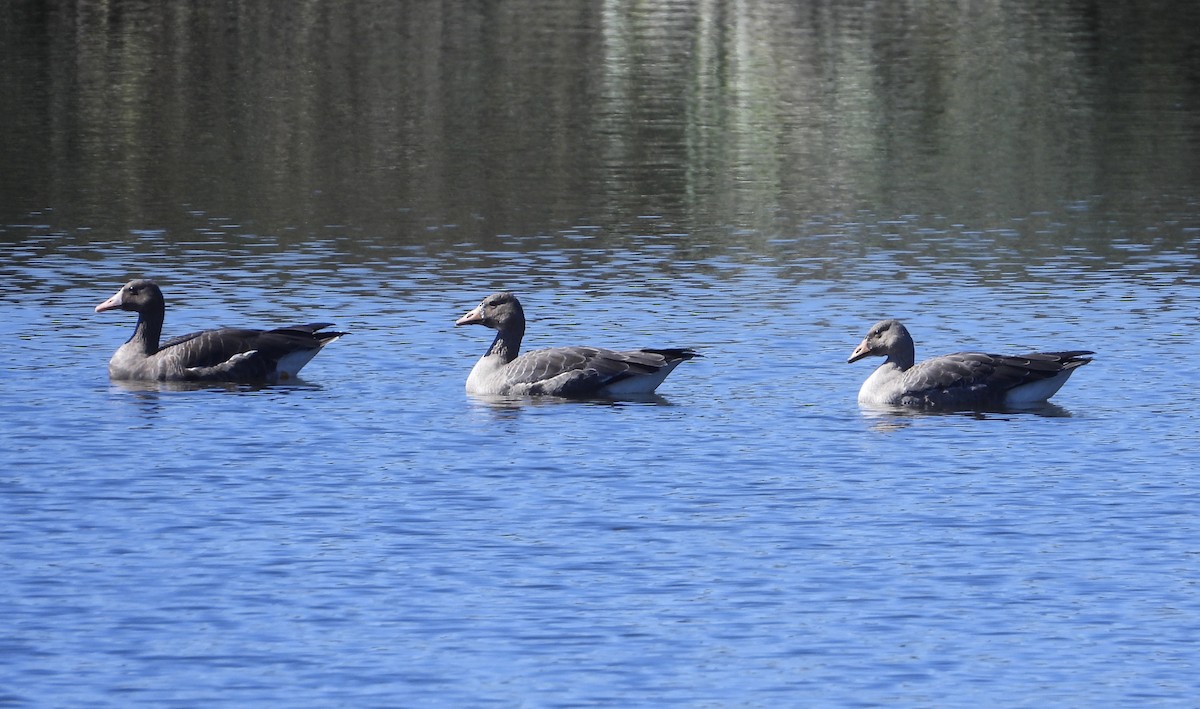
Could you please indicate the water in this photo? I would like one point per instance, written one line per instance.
(761, 184)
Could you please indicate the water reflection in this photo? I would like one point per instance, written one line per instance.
(155, 387)
(429, 123)
(513, 403)
(891, 418)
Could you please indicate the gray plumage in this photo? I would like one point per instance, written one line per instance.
(963, 380)
(559, 371)
(223, 354)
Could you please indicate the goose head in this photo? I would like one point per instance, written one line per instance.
(887, 338)
(139, 295)
(499, 311)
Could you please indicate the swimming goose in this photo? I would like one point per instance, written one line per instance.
(559, 371)
(225, 354)
(964, 380)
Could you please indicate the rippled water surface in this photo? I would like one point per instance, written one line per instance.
(759, 185)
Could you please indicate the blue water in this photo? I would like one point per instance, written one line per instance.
(760, 181)
(373, 536)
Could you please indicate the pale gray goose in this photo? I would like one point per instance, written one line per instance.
(964, 380)
(559, 371)
(224, 354)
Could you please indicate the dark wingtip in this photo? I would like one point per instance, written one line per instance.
(309, 329)
(1080, 356)
(675, 353)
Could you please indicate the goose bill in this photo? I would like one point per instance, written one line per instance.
(472, 318)
(111, 304)
(859, 352)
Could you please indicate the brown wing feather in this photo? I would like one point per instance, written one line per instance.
(976, 378)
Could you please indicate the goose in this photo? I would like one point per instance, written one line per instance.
(224, 354)
(559, 371)
(964, 380)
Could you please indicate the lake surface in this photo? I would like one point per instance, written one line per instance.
(760, 182)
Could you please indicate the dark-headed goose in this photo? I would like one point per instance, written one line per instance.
(965, 380)
(559, 371)
(225, 354)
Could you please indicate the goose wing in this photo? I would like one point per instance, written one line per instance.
(975, 377)
(576, 371)
(239, 353)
